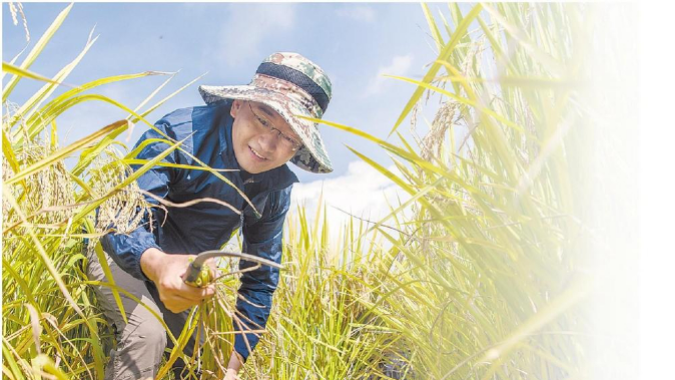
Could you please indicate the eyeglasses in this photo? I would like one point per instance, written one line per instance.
(285, 141)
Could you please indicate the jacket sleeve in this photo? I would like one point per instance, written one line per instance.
(126, 250)
(261, 238)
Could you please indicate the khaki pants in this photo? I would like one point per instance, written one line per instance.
(141, 341)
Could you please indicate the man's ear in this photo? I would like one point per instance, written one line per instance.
(236, 105)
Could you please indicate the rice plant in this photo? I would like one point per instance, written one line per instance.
(50, 321)
(493, 276)
(488, 279)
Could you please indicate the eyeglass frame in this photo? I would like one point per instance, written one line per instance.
(295, 144)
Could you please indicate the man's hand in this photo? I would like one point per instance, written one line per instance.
(231, 375)
(167, 272)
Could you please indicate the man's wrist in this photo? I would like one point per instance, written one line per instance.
(151, 260)
(235, 363)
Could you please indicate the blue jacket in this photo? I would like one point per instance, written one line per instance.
(207, 225)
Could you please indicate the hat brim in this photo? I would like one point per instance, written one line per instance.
(312, 156)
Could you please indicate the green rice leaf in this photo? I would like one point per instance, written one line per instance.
(165, 99)
(9, 153)
(19, 72)
(131, 161)
(44, 362)
(65, 152)
(133, 177)
(434, 28)
(35, 52)
(531, 47)
(37, 98)
(468, 102)
(443, 56)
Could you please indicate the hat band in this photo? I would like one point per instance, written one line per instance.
(290, 90)
(297, 77)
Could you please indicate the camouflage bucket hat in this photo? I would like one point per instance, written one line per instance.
(291, 85)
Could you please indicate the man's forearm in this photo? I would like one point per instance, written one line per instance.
(126, 250)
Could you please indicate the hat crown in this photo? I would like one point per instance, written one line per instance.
(299, 70)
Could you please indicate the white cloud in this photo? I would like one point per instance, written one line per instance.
(362, 191)
(249, 25)
(358, 13)
(398, 66)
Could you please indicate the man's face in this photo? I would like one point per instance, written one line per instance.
(257, 147)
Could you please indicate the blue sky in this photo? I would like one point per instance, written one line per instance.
(354, 42)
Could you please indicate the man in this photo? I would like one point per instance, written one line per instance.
(252, 128)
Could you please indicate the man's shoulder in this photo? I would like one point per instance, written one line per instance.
(177, 124)
(185, 124)
(181, 122)
(190, 115)
(177, 117)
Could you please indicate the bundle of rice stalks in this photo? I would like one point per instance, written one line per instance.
(51, 325)
(492, 272)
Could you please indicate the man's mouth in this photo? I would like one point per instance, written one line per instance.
(256, 154)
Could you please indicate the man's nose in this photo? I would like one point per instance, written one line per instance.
(268, 141)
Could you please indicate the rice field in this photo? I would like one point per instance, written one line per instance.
(490, 274)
